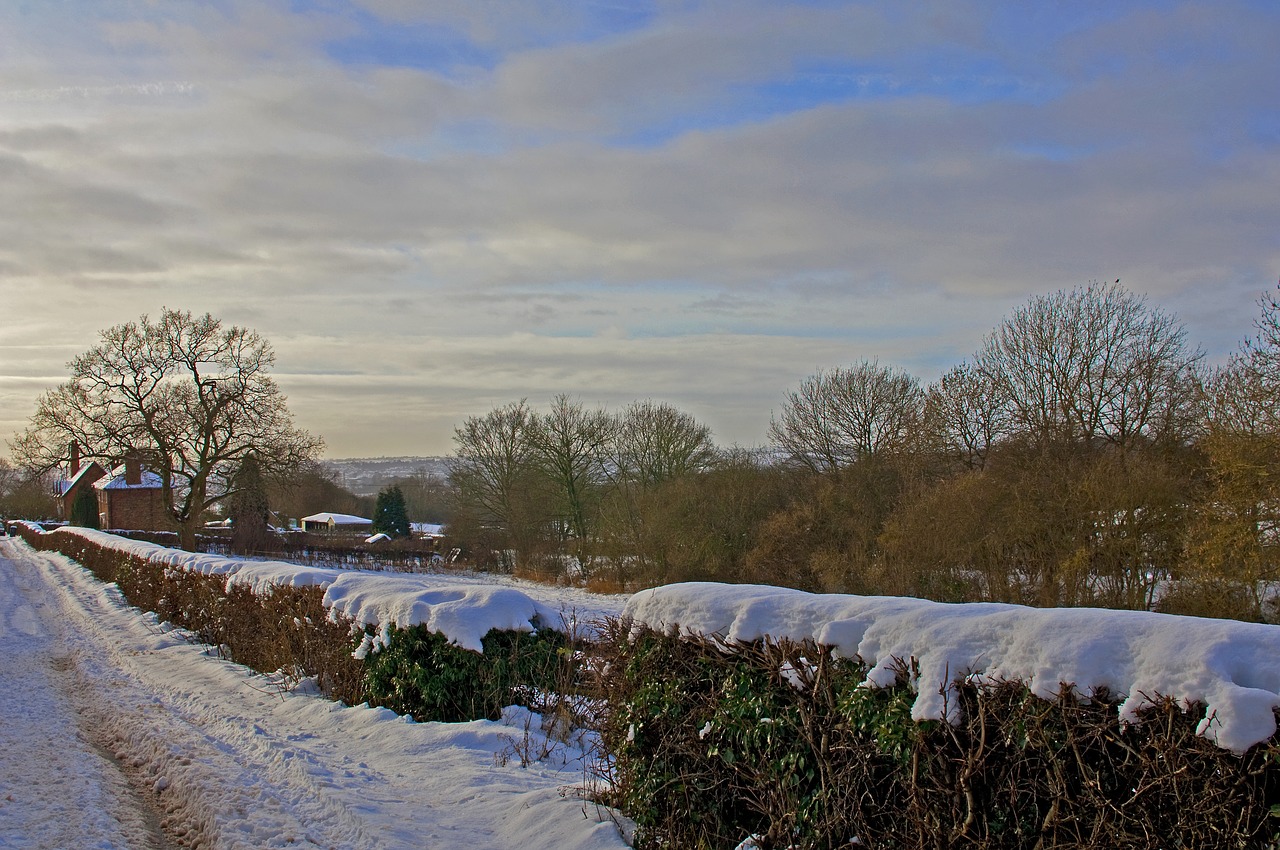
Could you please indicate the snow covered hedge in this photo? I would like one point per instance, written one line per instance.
(378, 638)
(808, 720)
(714, 741)
(1230, 669)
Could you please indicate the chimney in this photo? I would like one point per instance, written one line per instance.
(73, 461)
(132, 471)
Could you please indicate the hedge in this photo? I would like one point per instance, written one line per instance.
(713, 742)
(707, 741)
(289, 629)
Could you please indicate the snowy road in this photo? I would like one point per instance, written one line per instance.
(114, 733)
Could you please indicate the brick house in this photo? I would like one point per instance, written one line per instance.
(79, 478)
(132, 497)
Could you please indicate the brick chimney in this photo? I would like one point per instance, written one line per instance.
(73, 460)
(132, 471)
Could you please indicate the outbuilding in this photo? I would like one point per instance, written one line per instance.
(330, 522)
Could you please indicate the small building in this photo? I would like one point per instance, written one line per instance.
(329, 522)
(132, 497)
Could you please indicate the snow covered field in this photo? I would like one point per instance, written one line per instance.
(117, 733)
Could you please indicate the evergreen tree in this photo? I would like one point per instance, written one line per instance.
(84, 510)
(389, 514)
(250, 522)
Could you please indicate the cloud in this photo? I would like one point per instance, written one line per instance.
(702, 202)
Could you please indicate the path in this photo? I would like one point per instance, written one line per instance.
(224, 758)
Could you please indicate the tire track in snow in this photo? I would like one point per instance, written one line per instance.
(219, 781)
(57, 789)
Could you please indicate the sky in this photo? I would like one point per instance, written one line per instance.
(432, 208)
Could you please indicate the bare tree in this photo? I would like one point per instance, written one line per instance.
(10, 478)
(494, 454)
(1244, 397)
(840, 416)
(188, 397)
(963, 417)
(498, 488)
(655, 442)
(654, 446)
(1092, 364)
(1233, 538)
(571, 444)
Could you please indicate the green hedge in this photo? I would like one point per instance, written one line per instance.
(712, 743)
(421, 674)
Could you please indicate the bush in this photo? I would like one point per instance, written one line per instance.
(715, 742)
(419, 672)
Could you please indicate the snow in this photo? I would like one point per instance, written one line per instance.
(116, 725)
(1231, 667)
(63, 486)
(116, 480)
(461, 607)
(464, 614)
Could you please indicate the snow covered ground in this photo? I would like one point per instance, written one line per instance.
(115, 732)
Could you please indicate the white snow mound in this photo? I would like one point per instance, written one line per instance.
(1231, 667)
(464, 613)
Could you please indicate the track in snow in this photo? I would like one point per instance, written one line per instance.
(220, 758)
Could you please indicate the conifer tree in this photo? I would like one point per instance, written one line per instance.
(84, 510)
(249, 511)
(389, 514)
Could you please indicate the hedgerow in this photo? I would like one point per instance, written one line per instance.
(706, 742)
(713, 742)
(286, 630)
(420, 673)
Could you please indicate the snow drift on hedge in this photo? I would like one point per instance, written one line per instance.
(260, 576)
(463, 613)
(1231, 667)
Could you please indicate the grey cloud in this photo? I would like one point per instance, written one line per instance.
(346, 214)
(45, 137)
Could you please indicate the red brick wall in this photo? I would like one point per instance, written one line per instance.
(140, 509)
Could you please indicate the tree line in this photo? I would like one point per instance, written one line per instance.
(1083, 455)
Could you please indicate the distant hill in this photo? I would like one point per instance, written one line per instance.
(365, 476)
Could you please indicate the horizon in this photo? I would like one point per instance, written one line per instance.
(431, 210)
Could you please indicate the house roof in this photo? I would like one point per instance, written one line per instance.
(84, 473)
(115, 481)
(337, 519)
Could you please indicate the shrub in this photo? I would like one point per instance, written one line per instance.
(713, 742)
(419, 672)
